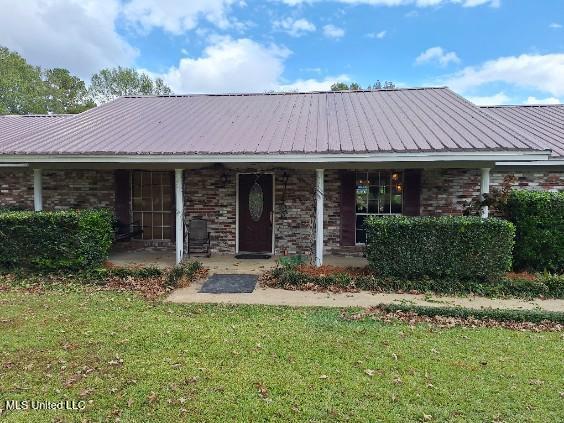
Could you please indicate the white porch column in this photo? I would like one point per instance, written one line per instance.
(179, 215)
(37, 190)
(319, 196)
(485, 188)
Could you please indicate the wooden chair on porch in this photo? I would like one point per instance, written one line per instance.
(197, 238)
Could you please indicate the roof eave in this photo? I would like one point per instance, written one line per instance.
(486, 156)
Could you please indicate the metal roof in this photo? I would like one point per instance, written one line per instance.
(541, 123)
(399, 120)
(20, 125)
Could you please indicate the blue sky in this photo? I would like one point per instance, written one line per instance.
(491, 51)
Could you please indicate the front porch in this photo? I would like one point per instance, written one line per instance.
(316, 210)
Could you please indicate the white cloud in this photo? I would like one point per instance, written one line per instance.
(294, 27)
(332, 31)
(555, 25)
(79, 35)
(390, 3)
(239, 65)
(306, 85)
(548, 100)
(378, 35)
(438, 55)
(544, 73)
(492, 100)
(177, 16)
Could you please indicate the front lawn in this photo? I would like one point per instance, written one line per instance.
(135, 360)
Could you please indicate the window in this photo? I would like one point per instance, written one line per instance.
(151, 204)
(378, 192)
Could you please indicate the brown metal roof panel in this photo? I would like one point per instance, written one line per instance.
(386, 120)
(543, 124)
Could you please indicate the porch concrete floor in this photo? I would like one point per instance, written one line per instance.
(216, 263)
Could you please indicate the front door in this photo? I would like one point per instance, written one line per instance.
(255, 212)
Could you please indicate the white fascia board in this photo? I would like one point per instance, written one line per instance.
(14, 164)
(496, 156)
(533, 163)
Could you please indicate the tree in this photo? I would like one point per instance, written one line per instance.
(66, 93)
(111, 83)
(26, 89)
(22, 90)
(343, 86)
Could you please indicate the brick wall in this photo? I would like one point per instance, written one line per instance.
(62, 189)
(16, 188)
(78, 189)
(446, 191)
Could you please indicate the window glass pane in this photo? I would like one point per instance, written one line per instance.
(157, 198)
(166, 232)
(360, 232)
(396, 203)
(373, 196)
(384, 203)
(361, 192)
(374, 178)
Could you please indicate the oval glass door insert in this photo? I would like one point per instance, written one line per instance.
(256, 201)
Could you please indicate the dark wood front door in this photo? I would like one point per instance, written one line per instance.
(255, 212)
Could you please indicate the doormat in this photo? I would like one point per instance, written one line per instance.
(229, 284)
(246, 256)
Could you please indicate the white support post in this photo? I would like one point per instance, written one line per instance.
(484, 188)
(179, 215)
(319, 196)
(37, 190)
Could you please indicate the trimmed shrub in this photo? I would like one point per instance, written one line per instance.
(539, 222)
(533, 316)
(535, 286)
(54, 241)
(467, 248)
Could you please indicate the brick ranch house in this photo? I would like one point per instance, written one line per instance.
(278, 173)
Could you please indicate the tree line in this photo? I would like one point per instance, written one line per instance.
(28, 89)
(353, 86)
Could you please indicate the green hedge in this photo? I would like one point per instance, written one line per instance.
(543, 285)
(532, 316)
(468, 248)
(539, 223)
(53, 241)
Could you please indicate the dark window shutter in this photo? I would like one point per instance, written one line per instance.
(411, 192)
(348, 207)
(123, 195)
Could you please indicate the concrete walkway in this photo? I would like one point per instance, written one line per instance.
(271, 296)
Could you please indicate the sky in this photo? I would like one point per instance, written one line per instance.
(490, 51)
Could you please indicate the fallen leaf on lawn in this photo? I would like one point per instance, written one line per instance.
(395, 356)
(130, 402)
(427, 417)
(397, 380)
(85, 392)
(370, 372)
(323, 377)
(536, 382)
(152, 397)
(262, 390)
(182, 400)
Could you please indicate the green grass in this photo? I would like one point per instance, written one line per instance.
(256, 363)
